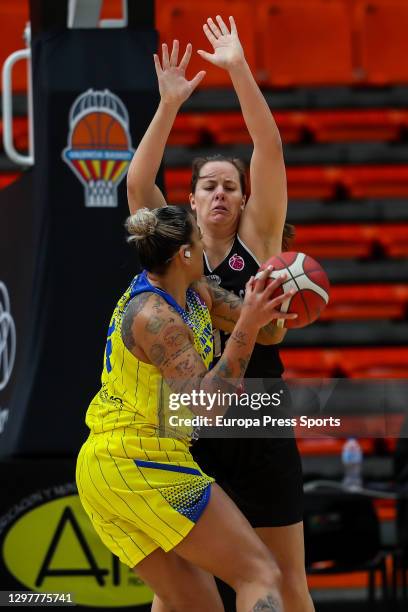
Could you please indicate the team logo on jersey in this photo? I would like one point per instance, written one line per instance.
(236, 262)
(99, 145)
(7, 338)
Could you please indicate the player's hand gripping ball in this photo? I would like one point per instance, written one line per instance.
(309, 281)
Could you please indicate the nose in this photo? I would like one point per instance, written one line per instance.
(219, 193)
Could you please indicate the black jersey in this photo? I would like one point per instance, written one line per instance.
(232, 274)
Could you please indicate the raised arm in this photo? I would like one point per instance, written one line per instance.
(264, 216)
(152, 332)
(174, 90)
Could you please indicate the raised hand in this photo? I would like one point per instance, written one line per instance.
(173, 86)
(228, 51)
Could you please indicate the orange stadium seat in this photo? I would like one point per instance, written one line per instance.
(228, 128)
(298, 45)
(376, 181)
(382, 27)
(183, 20)
(394, 239)
(190, 129)
(321, 182)
(335, 241)
(349, 302)
(367, 125)
(14, 15)
(306, 363)
(313, 182)
(178, 185)
(329, 446)
(374, 362)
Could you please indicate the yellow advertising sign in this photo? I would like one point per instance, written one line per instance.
(54, 548)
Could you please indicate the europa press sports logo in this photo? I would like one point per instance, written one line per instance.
(7, 338)
(99, 145)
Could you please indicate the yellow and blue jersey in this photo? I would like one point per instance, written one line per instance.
(133, 394)
(136, 477)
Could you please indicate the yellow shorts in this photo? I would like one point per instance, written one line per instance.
(141, 495)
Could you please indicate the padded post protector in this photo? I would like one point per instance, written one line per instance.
(67, 264)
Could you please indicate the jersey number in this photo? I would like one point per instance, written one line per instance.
(108, 350)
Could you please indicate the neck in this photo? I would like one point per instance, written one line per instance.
(172, 284)
(217, 246)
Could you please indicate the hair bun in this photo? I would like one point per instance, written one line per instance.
(142, 224)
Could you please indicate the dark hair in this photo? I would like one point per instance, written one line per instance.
(288, 229)
(158, 234)
(199, 162)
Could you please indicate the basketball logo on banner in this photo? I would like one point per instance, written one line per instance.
(99, 145)
(7, 338)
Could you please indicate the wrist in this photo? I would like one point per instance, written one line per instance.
(248, 323)
(169, 106)
(238, 65)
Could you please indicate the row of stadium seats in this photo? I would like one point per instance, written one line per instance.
(352, 241)
(291, 42)
(287, 42)
(372, 362)
(367, 302)
(323, 183)
(195, 129)
(389, 125)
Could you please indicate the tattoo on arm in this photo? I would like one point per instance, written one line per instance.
(155, 324)
(243, 364)
(157, 354)
(222, 296)
(239, 337)
(132, 310)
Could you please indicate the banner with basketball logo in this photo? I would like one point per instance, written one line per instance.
(66, 257)
(99, 147)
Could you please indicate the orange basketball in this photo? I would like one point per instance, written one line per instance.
(99, 130)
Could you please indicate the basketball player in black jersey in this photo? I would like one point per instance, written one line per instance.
(263, 476)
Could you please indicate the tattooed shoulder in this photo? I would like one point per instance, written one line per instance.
(134, 307)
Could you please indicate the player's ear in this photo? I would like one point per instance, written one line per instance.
(192, 201)
(243, 202)
(185, 252)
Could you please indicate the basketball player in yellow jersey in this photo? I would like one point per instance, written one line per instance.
(148, 500)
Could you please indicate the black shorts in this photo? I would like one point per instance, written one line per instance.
(263, 476)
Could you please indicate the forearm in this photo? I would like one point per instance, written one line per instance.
(257, 115)
(227, 374)
(146, 161)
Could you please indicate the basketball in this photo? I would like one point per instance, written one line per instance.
(306, 276)
(99, 130)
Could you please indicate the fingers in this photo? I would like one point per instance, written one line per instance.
(249, 285)
(233, 26)
(197, 79)
(174, 53)
(214, 28)
(207, 56)
(276, 282)
(261, 278)
(212, 39)
(165, 57)
(186, 57)
(222, 25)
(157, 65)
